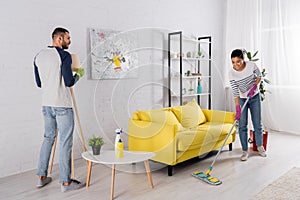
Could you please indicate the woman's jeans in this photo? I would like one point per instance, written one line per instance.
(62, 119)
(254, 105)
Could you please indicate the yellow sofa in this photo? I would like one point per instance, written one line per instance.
(179, 133)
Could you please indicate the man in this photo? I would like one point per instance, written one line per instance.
(53, 74)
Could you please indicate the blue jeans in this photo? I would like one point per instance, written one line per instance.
(254, 105)
(62, 119)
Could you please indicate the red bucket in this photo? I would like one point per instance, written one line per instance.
(252, 140)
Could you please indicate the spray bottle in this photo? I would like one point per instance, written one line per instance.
(118, 137)
(120, 149)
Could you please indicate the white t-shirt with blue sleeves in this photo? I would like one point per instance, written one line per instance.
(53, 74)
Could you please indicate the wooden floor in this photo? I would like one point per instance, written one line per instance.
(241, 180)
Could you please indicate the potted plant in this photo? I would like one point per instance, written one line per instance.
(96, 142)
(261, 87)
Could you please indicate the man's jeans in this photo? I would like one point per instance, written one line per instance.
(254, 105)
(62, 119)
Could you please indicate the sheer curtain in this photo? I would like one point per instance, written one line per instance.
(272, 27)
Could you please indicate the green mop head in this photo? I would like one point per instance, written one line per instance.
(206, 177)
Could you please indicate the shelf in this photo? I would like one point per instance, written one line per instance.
(191, 40)
(190, 95)
(192, 59)
(190, 77)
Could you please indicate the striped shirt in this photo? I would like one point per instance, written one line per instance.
(242, 81)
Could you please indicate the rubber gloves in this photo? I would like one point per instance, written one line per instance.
(251, 91)
(238, 112)
(80, 72)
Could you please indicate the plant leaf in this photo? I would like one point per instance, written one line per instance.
(255, 54)
(254, 60)
(249, 55)
(267, 81)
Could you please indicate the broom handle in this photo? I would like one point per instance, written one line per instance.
(78, 120)
(234, 124)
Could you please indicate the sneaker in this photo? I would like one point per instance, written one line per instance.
(73, 186)
(42, 183)
(244, 156)
(261, 151)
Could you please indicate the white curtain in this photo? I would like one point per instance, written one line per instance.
(273, 28)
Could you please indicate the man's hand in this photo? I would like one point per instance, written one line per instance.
(251, 91)
(80, 72)
(238, 112)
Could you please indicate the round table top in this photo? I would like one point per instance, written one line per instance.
(109, 157)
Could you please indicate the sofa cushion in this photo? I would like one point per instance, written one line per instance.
(164, 116)
(189, 115)
(204, 134)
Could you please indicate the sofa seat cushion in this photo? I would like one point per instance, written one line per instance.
(207, 133)
(190, 115)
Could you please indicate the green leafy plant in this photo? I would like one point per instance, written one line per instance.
(264, 80)
(96, 141)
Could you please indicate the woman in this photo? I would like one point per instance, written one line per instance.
(244, 78)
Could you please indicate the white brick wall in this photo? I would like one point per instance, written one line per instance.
(26, 28)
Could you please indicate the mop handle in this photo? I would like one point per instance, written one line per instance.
(235, 122)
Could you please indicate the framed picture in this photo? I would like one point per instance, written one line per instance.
(113, 54)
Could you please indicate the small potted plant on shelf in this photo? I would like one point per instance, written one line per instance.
(96, 142)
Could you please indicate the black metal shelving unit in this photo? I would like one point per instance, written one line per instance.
(201, 40)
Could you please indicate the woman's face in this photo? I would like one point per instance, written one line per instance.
(238, 63)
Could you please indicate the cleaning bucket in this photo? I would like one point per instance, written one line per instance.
(251, 140)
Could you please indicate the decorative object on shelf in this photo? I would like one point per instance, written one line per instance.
(188, 73)
(96, 142)
(200, 54)
(183, 91)
(264, 80)
(199, 86)
(191, 90)
(188, 54)
(196, 74)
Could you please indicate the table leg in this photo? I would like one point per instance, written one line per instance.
(88, 176)
(113, 171)
(148, 173)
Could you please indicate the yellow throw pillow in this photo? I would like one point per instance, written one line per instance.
(190, 115)
(163, 116)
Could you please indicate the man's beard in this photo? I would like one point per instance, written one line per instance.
(64, 45)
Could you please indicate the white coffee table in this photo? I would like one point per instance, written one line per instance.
(109, 157)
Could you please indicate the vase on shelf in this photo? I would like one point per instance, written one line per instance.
(199, 87)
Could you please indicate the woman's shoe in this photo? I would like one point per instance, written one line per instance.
(244, 156)
(261, 151)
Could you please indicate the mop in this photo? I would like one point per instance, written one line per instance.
(206, 177)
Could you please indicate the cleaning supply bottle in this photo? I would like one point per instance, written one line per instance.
(118, 137)
(199, 88)
(120, 149)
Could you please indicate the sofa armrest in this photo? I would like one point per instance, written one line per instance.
(219, 116)
(153, 137)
